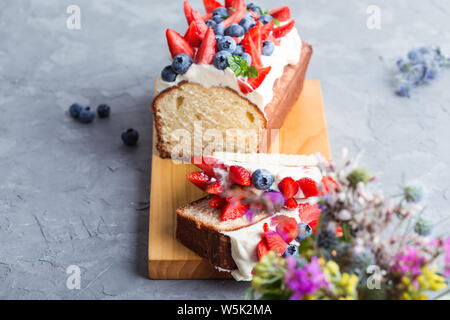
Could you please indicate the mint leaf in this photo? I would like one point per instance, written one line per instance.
(240, 67)
(252, 72)
(277, 22)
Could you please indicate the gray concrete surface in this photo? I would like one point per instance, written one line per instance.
(72, 194)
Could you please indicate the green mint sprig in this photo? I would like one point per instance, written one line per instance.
(240, 67)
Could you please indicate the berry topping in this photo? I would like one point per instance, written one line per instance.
(75, 110)
(181, 63)
(291, 251)
(276, 242)
(239, 50)
(235, 30)
(304, 231)
(265, 18)
(262, 179)
(233, 210)
(220, 60)
(247, 23)
(291, 204)
(227, 44)
(254, 8)
(188, 11)
(103, 111)
(309, 214)
(207, 50)
(130, 137)
(252, 43)
(253, 83)
(211, 23)
(262, 248)
(281, 14)
(217, 202)
(215, 187)
(268, 48)
(168, 75)
(247, 58)
(177, 44)
(195, 33)
(283, 30)
(266, 30)
(287, 228)
(87, 115)
(239, 12)
(207, 164)
(288, 187)
(308, 187)
(211, 5)
(240, 176)
(219, 29)
(199, 179)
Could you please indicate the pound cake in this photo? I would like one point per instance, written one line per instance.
(256, 203)
(235, 73)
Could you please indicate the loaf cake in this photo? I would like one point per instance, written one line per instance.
(235, 73)
(257, 203)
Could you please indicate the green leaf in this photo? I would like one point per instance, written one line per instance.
(276, 21)
(240, 67)
(252, 72)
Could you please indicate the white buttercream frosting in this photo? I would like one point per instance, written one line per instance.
(287, 53)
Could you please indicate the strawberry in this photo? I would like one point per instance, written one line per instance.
(215, 187)
(239, 13)
(276, 242)
(217, 202)
(254, 14)
(211, 5)
(266, 227)
(309, 187)
(207, 50)
(276, 41)
(177, 44)
(252, 43)
(253, 83)
(195, 33)
(262, 248)
(207, 164)
(309, 214)
(281, 14)
(287, 229)
(288, 187)
(240, 175)
(229, 3)
(291, 204)
(199, 179)
(188, 11)
(329, 185)
(266, 30)
(233, 210)
(280, 32)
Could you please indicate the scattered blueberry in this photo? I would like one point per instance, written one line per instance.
(235, 30)
(268, 48)
(265, 18)
(219, 29)
(227, 43)
(87, 115)
(103, 111)
(254, 8)
(292, 251)
(168, 74)
(239, 50)
(262, 179)
(130, 137)
(75, 110)
(211, 23)
(220, 60)
(220, 14)
(247, 23)
(247, 58)
(218, 38)
(181, 63)
(304, 231)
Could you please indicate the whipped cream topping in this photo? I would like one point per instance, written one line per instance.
(287, 53)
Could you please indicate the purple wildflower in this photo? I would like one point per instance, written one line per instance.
(408, 262)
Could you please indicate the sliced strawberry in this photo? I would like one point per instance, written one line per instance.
(280, 32)
(177, 44)
(288, 187)
(329, 185)
(233, 210)
(309, 214)
(188, 11)
(229, 3)
(262, 249)
(287, 229)
(254, 14)
(207, 50)
(266, 227)
(195, 33)
(276, 242)
(217, 202)
(207, 16)
(252, 43)
(266, 29)
(276, 41)
(253, 83)
(211, 5)
(215, 187)
(207, 164)
(281, 14)
(309, 187)
(239, 13)
(199, 179)
(291, 204)
(239, 175)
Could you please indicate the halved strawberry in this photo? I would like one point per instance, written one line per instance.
(195, 33)
(288, 229)
(309, 187)
(199, 179)
(240, 10)
(252, 43)
(215, 187)
(266, 30)
(253, 83)
(233, 210)
(262, 248)
(291, 204)
(276, 41)
(217, 202)
(229, 3)
(211, 5)
(281, 14)
(329, 185)
(207, 164)
(309, 214)
(288, 187)
(239, 175)
(283, 30)
(177, 44)
(207, 50)
(188, 11)
(276, 242)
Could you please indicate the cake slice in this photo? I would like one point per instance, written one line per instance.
(225, 92)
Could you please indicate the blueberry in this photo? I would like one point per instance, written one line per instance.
(227, 43)
(211, 23)
(220, 14)
(103, 111)
(218, 38)
(239, 50)
(75, 110)
(247, 23)
(304, 231)
(168, 74)
(292, 251)
(220, 60)
(265, 18)
(181, 63)
(130, 137)
(247, 58)
(268, 48)
(254, 8)
(87, 115)
(235, 30)
(262, 179)
(219, 29)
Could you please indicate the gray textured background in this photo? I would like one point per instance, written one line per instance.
(73, 194)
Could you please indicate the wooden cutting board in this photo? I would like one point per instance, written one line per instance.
(304, 132)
